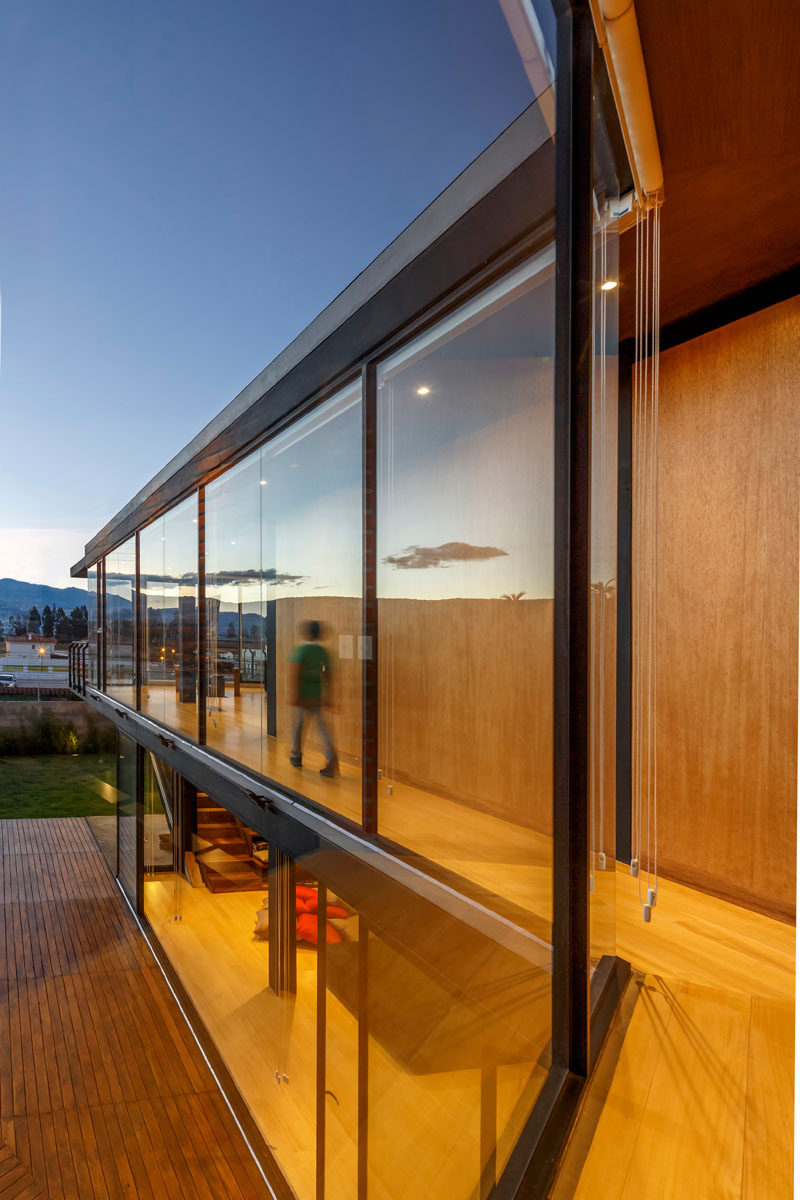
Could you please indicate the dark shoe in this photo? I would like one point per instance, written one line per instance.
(331, 769)
(296, 762)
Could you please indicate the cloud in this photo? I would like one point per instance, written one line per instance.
(416, 558)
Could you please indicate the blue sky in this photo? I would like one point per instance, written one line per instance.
(183, 187)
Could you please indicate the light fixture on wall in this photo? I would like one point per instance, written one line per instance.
(424, 390)
(608, 285)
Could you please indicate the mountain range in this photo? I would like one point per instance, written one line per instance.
(17, 597)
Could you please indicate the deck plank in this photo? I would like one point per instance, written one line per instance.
(103, 1090)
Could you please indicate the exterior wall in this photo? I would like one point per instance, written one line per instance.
(729, 447)
(21, 720)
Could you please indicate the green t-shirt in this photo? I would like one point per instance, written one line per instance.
(314, 665)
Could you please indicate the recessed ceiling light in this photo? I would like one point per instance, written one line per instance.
(424, 390)
(608, 286)
(263, 482)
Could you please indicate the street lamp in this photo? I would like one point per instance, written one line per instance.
(39, 676)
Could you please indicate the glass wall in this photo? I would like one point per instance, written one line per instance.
(603, 559)
(120, 578)
(465, 584)
(236, 638)
(168, 611)
(283, 596)
(92, 661)
(425, 1062)
(127, 837)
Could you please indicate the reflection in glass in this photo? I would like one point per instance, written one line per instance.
(126, 815)
(423, 1038)
(92, 661)
(603, 563)
(465, 585)
(235, 614)
(120, 578)
(168, 608)
(283, 607)
(311, 550)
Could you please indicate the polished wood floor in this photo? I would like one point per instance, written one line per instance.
(427, 1072)
(699, 1103)
(103, 1091)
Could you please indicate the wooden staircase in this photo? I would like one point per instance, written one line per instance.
(223, 855)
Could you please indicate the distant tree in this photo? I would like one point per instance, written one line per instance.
(34, 620)
(79, 623)
(252, 633)
(19, 627)
(1, 630)
(230, 632)
(62, 627)
(48, 621)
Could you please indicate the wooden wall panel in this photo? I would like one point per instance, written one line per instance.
(466, 691)
(729, 450)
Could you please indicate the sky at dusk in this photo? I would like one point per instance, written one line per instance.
(183, 187)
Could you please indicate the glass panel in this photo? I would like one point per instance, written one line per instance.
(311, 531)
(236, 614)
(283, 588)
(168, 571)
(603, 596)
(220, 948)
(91, 626)
(465, 581)
(159, 816)
(120, 589)
(104, 785)
(126, 815)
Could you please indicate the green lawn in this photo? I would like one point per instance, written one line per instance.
(56, 785)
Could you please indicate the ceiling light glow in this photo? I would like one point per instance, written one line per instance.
(424, 390)
(608, 286)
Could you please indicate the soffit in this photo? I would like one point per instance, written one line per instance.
(724, 78)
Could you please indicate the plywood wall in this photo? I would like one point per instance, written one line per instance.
(729, 454)
(466, 695)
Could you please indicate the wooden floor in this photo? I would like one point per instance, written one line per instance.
(699, 1102)
(512, 863)
(425, 1115)
(103, 1091)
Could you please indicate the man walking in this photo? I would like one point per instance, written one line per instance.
(310, 691)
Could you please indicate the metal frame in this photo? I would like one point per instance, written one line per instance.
(573, 415)
(624, 602)
(369, 602)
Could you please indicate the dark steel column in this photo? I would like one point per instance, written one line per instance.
(202, 618)
(322, 1019)
(369, 603)
(140, 756)
(573, 391)
(137, 628)
(101, 625)
(363, 1059)
(624, 599)
(271, 668)
(282, 922)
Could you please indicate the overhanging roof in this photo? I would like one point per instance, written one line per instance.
(507, 192)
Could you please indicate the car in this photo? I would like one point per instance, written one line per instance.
(8, 682)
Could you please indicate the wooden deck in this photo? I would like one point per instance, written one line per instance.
(103, 1091)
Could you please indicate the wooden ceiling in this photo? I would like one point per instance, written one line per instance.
(725, 84)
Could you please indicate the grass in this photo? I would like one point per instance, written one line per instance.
(56, 785)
